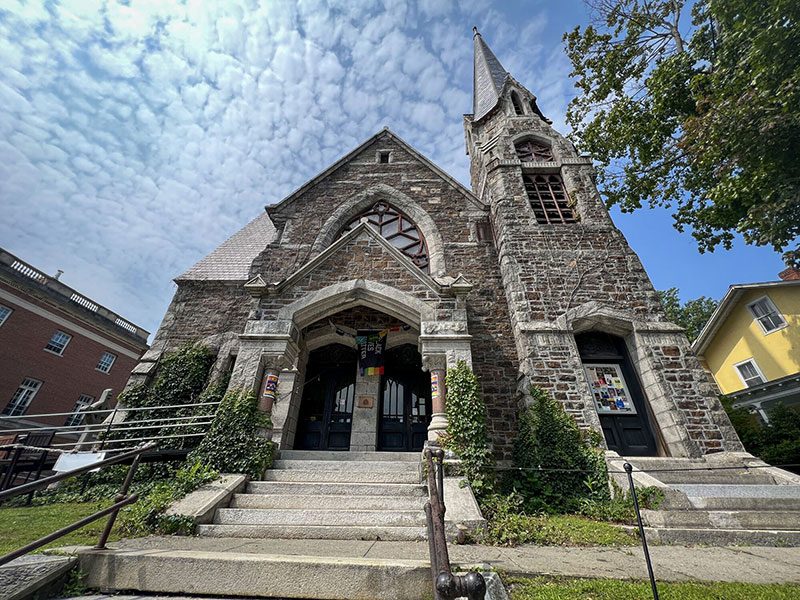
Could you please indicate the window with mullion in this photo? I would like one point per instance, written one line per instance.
(58, 342)
(76, 418)
(749, 373)
(22, 398)
(767, 314)
(533, 151)
(548, 199)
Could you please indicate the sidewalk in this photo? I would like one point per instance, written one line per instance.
(750, 564)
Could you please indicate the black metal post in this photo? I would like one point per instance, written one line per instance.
(629, 471)
(123, 493)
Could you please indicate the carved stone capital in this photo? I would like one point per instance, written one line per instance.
(433, 362)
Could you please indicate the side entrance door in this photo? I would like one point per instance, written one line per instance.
(618, 397)
(405, 401)
(326, 411)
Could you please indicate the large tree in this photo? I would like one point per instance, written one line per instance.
(691, 315)
(695, 106)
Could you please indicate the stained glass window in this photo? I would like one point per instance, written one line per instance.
(548, 199)
(398, 230)
(533, 151)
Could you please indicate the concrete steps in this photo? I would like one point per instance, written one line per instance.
(722, 537)
(329, 495)
(724, 519)
(229, 574)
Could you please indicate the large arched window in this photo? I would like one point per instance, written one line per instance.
(533, 151)
(397, 229)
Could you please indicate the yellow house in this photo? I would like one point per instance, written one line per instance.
(751, 344)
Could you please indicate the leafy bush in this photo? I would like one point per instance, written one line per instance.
(776, 443)
(466, 428)
(234, 443)
(146, 515)
(572, 466)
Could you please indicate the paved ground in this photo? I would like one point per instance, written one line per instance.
(671, 563)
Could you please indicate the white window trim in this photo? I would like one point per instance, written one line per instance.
(30, 400)
(757, 320)
(752, 361)
(5, 318)
(69, 339)
(113, 362)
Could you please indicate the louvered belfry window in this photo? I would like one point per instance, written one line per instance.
(548, 199)
(532, 151)
(398, 230)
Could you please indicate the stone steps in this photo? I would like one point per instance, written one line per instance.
(723, 519)
(334, 517)
(308, 488)
(721, 537)
(393, 466)
(327, 455)
(342, 501)
(320, 475)
(315, 532)
(256, 575)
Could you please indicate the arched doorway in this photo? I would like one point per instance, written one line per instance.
(326, 410)
(405, 401)
(618, 396)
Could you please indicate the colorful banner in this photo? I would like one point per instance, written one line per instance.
(270, 391)
(371, 351)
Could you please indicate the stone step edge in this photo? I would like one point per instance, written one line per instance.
(655, 532)
(380, 511)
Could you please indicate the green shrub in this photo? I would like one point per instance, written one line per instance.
(466, 428)
(234, 443)
(572, 466)
(776, 443)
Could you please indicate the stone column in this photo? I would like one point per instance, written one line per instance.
(363, 435)
(437, 365)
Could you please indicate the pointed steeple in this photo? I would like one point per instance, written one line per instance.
(488, 77)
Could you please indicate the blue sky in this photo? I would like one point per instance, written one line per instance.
(136, 136)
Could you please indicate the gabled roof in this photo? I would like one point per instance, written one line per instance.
(488, 77)
(728, 303)
(231, 261)
(278, 207)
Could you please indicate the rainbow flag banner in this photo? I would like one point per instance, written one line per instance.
(371, 351)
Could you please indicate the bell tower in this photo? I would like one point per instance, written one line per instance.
(569, 272)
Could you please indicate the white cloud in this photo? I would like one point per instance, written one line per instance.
(147, 132)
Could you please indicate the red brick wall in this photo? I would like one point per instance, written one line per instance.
(64, 378)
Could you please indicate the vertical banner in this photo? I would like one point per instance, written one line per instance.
(371, 350)
(436, 384)
(270, 391)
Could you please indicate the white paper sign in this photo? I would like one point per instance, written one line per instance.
(69, 462)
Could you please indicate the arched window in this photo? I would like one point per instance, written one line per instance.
(548, 199)
(533, 151)
(397, 229)
(517, 103)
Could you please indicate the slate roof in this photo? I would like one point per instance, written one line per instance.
(232, 259)
(487, 79)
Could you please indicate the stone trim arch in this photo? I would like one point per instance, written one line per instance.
(537, 137)
(333, 298)
(360, 202)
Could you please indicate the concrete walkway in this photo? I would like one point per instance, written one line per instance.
(671, 563)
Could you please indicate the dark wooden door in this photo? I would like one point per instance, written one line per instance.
(326, 411)
(405, 401)
(618, 396)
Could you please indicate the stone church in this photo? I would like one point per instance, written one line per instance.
(523, 275)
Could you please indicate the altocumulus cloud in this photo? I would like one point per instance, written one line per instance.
(137, 136)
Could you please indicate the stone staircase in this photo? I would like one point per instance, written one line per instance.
(709, 502)
(330, 495)
(296, 534)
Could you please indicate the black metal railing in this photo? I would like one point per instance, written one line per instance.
(122, 499)
(446, 586)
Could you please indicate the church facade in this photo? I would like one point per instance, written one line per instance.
(524, 277)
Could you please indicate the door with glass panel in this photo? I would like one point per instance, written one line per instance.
(326, 411)
(405, 401)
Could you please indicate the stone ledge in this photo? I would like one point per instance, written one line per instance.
(202, 503)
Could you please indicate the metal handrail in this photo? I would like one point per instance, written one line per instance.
(446, 586)
(122, 499)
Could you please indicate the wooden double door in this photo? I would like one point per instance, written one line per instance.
(405, 401)
(619, 400)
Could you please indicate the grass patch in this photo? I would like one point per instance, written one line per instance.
(22, 525)
(555, 530)
(545, 588)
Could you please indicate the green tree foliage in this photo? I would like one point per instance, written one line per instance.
(777, 443)
(466, 427)
(699, 113)
(572, 466)
(692, 315)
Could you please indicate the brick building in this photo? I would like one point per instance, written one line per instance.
(59, 350)
(524, 276)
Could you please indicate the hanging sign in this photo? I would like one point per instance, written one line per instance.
(371, 350)
(611, 394)
(270, 391)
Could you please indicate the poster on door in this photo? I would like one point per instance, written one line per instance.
(611, 394)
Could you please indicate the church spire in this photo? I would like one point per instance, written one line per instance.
(488, 77)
